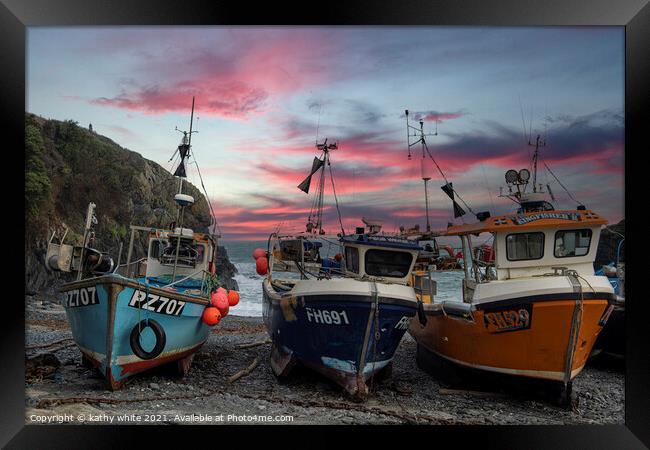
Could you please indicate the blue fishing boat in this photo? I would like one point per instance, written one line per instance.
(128, 318)
(344, 316)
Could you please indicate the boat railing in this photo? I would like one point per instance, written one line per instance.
(125, 269)
(192, 275)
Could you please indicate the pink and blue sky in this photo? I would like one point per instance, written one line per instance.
(264, 94)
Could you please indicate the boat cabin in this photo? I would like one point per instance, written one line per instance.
(532, 244)
(388, 258)
(174, 254)
(195, 251)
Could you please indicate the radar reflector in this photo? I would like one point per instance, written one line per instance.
(511, 176)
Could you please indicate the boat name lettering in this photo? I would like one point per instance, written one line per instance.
(327, 317)
(81, 297)
(157, 303)
(522, 220)
(403, 323)
(508, 319)
(388, 239)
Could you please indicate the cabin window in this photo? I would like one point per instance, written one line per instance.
(156, 248)
(386, 263)
(352, 259)
(524, 246)
(572, 243)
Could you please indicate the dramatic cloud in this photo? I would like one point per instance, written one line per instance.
(230, 82)
(434, 116)
(266, 95)
(230, 99)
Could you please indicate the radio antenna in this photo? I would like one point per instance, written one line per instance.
(414, 132)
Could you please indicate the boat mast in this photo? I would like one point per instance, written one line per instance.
(184, 150)
(537, 145)
(421, 139)
(186, 143)
(317, 205)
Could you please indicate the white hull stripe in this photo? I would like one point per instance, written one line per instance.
(546, 374)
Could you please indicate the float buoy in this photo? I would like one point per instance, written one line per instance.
(158, 332)
(261, 265)
(233, 298)
(258, 253)
(338, 257)
(219, 300)
(211, 316)
(224, 311)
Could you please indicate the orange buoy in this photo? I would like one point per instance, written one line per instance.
(261, 265)
(211, 316)
(233, 298)
(258, 253)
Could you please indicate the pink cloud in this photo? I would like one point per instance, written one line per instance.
(435, 116)
(234, 85)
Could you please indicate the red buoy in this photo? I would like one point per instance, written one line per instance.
(258, 253)
(261, 265)
(224, 311)
(233, 298)
(211, 316)
(338, 257)
(219, 300)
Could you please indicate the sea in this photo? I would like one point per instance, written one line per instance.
(240, 254)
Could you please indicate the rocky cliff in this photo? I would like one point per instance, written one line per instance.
(66, 167)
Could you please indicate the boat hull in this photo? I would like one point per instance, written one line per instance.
(124, 327)
(526, 338)
(335, 334)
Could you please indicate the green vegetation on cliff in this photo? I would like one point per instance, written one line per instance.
(68, 166)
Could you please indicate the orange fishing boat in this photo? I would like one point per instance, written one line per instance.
(535, 309)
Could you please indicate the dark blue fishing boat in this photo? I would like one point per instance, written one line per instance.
(343, 317)
(129, 318)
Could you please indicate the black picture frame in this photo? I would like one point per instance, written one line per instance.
(15, 15)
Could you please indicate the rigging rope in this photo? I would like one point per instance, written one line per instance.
(445, 178)
(336, 200)
(206, 194)
(560, 183)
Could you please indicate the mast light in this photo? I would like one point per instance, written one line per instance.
(511, 176)
(524, 175)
